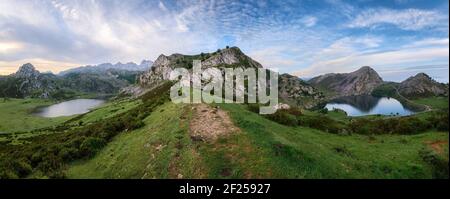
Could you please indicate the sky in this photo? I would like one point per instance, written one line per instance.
(398, 38)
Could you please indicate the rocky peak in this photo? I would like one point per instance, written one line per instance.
(422, 76)
(360, 82)
(27, 71)
(422, 85)
(230, 56)
(163, 65)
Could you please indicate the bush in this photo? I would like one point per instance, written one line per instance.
(283, 117)
(92, 145)
(253, 108)
(69, 153)
(323, 111)
(22, 167)
(438, 163)
(294, 111)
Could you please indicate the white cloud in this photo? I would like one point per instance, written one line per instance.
(343, 57)
(309, 21)
(162, 6)
(407, 19)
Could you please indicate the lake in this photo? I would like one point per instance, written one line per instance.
(369, 105)
(68, 108)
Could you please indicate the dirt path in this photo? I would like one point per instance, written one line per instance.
(438, 145)
(210, 123)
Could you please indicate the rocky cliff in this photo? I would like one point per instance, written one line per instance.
(292, 90)
(229, 57)
(297, 92)
(29, 82)
(360, 82)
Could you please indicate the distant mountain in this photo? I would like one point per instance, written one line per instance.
(102, 68)
(422, 85)
(229, 57)
(29, 82)
(360, 82)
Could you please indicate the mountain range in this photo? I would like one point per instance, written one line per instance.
(292, 90)
(134, 79)
(29, 82)
(102, 68)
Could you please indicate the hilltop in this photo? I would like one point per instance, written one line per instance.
(422, 85)
(360, 82)
(292, 90)
(29, 82)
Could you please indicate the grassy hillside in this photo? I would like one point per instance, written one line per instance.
(152, 138)
(16, 115)
(262, 149)
(434, 102)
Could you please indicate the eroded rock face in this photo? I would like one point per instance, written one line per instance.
(292, 90)
(230, 56)
(27, 71)
(163, 65)
(159, 71)
(31, 81)
(422, 85)
(297, 92)
(360, 82)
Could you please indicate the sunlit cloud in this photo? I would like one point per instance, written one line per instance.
(301, 37)
(408, 19)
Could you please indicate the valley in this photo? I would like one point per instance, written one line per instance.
(164, 148)
(139, 133)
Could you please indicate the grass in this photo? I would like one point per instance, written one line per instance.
(263, 149)
(106, 110)
(16, 115)
(162, 149)
(307, 153)
(434, 102)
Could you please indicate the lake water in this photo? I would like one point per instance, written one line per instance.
(369, 105)
(68, 108)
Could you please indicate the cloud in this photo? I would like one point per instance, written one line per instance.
(407, 19)
(309, 21)
(343, 56)
(291, 35)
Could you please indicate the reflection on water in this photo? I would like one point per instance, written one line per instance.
(72, 107)
(369, 105)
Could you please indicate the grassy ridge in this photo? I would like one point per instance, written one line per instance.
(162, 149)
(150, 138)
(263, 149)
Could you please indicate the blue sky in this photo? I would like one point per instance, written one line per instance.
(398, 38)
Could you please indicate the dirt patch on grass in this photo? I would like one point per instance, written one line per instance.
(438, 145)
(208, 123)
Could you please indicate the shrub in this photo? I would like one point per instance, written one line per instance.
(294, 111)
(438, 163)
(92, 145)
(68, 153)
(323, 111)
(283, 117)
(253, 108)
